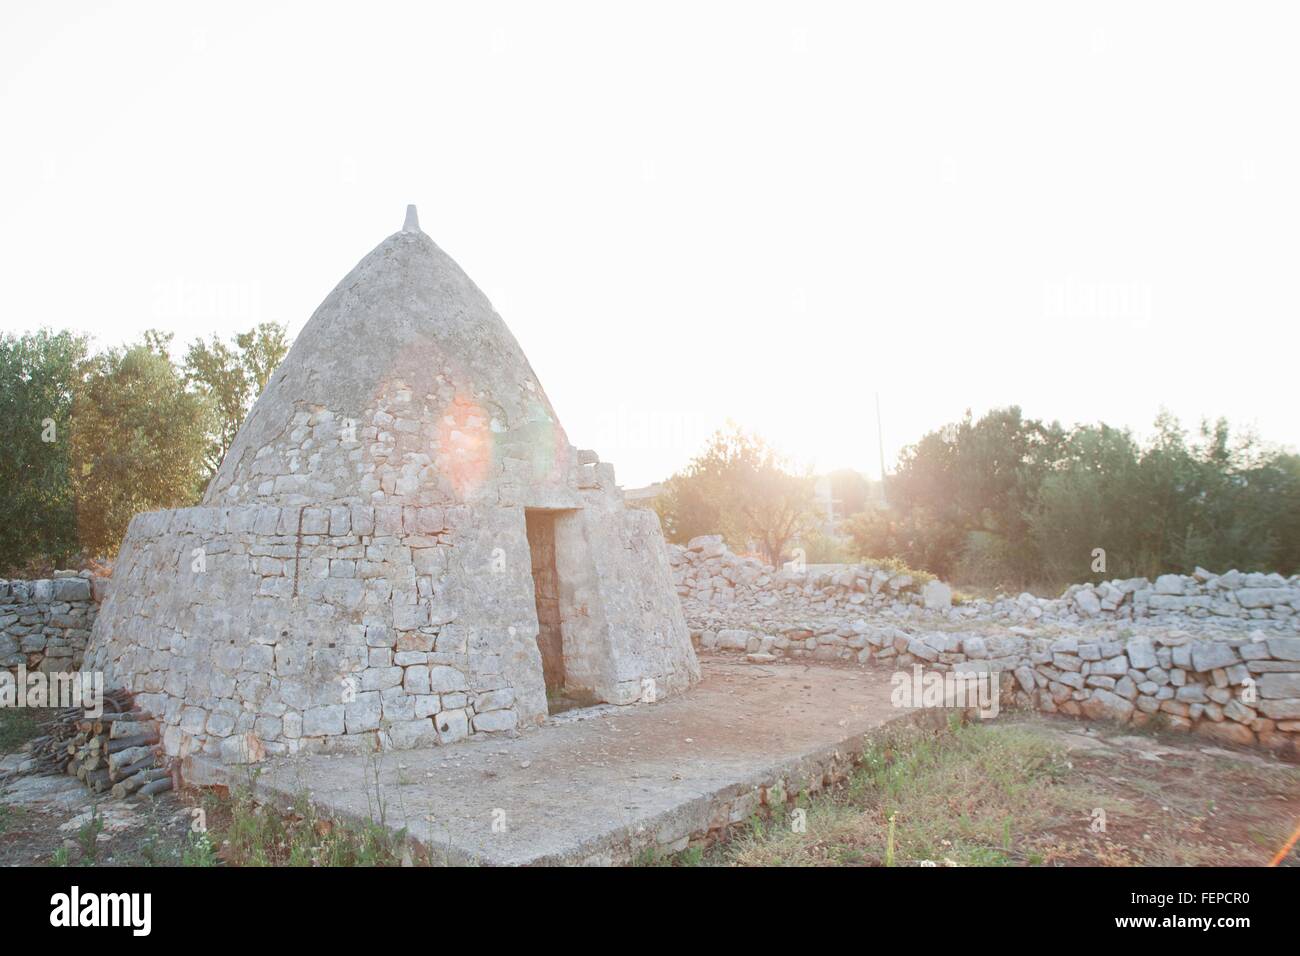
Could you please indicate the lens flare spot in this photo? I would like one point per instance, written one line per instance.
(464, 445)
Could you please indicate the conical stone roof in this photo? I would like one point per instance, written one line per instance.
(404, 387)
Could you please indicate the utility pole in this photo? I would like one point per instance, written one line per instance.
(880, 437)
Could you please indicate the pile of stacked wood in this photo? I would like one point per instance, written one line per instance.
(116, 751)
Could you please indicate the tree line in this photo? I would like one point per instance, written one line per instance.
(1011, 502)
(745, 490)
(91, 437)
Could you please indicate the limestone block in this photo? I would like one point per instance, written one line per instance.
(452, 725)
(416, 679)
(363, 713)
(1280, 709)
(496, 720)
(323, 721)
(494, 700)
(936, 595)
(1103, 704)
(1282, 648)
(1279, 685)
(408, 734)
(1141, 653)
(1209, 655)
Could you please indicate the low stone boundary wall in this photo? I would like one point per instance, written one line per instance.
(705, 571)
(1242, 690)
(707, 574)
(45, 624)
(1214, 653)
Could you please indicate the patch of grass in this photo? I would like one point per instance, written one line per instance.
(199, 851)
(889, 841)
(691, 856)
(17, 726)
(970, 796)
(259, 835)
(9, 816)
(649, 856)
(88, 837)
(652, 856)
(1176, 850)
(160, 847)
(895, 566)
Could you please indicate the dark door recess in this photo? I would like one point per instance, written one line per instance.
(541, 544)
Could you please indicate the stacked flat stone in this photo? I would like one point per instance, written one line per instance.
(707, 573)
(1244, 690)
(1249, 597)
(712, 581)
(45, 624)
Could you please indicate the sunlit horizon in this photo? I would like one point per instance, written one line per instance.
(829, 217)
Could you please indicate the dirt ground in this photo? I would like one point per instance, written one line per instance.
(50, 821)
(1181, 800)
(1037, 790)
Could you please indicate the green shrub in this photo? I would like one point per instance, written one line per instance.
(895, 566)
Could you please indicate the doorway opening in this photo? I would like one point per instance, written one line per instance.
(540, 527)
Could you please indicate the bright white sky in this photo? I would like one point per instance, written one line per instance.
(694, 212)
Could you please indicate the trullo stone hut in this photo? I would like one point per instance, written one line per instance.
(400, 548)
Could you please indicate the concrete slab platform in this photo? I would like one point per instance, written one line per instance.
(603, 790)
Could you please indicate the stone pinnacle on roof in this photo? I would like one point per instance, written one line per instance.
(412, 223)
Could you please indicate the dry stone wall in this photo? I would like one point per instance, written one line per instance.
(713, 580)
(707, 573)
(1224, 660)
(354, 628)
(45, 624)
(302, 628)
